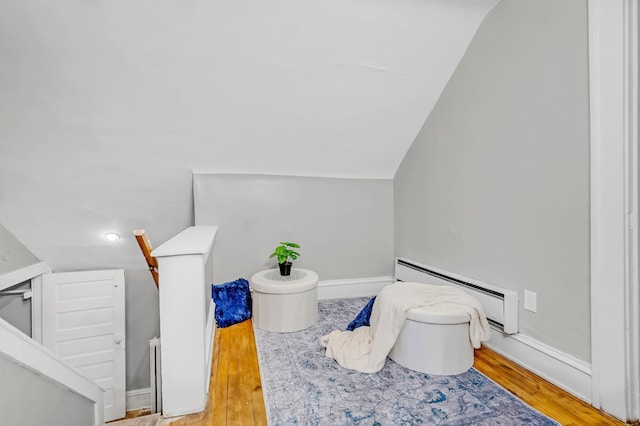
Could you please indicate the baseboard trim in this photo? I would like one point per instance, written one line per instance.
(563, 370)
(138, 399)
(356, 287)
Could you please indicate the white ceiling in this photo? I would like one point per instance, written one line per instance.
(106, 106)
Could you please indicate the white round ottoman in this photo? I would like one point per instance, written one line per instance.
(284, 304)
(434, 340)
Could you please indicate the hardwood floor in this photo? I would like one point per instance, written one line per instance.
(539, 393)
(235, 396)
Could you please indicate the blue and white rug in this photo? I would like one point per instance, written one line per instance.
(303, 387)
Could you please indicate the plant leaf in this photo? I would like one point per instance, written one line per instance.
(284, 252)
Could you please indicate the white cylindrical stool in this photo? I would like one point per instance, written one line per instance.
(434, 340)
(284, 303)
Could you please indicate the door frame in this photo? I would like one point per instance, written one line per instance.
(613, 87)
(36, 308)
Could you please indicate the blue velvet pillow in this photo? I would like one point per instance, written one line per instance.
(363, 317)
(233, 302)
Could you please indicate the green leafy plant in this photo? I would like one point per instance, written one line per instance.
(285, 252)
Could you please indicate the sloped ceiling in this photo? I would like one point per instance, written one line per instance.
(107, 106)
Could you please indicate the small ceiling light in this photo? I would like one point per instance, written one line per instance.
(112, 236)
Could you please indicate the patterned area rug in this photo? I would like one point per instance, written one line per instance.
(303, 387)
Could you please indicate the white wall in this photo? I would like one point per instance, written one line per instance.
(344, 226)
(13, 254)
(496, 185)
(107, 107)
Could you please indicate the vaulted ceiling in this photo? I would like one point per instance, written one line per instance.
(106, 107)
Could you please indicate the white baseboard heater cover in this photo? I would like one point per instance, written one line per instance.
(156, 375)
(500, 305)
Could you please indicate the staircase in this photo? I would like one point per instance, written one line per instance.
(40, 388)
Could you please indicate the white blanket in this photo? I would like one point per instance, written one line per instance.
(365, 349)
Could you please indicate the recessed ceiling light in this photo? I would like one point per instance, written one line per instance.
(112, 236)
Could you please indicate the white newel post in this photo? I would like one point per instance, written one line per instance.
(186, 319)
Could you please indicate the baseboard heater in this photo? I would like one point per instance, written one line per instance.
(500, 305)
(156, 375)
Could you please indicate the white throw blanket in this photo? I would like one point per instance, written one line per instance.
(365, 349)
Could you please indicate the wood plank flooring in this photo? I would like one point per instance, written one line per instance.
(235, 395)
(539, 393)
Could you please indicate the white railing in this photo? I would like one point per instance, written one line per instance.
(185, 267)
(23, 274)
(22, 351)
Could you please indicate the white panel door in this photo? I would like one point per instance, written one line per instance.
(83, 323)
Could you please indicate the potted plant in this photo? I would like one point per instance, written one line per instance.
(286, 255)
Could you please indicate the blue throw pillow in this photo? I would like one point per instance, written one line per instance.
(233, 302)
(363, 317)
